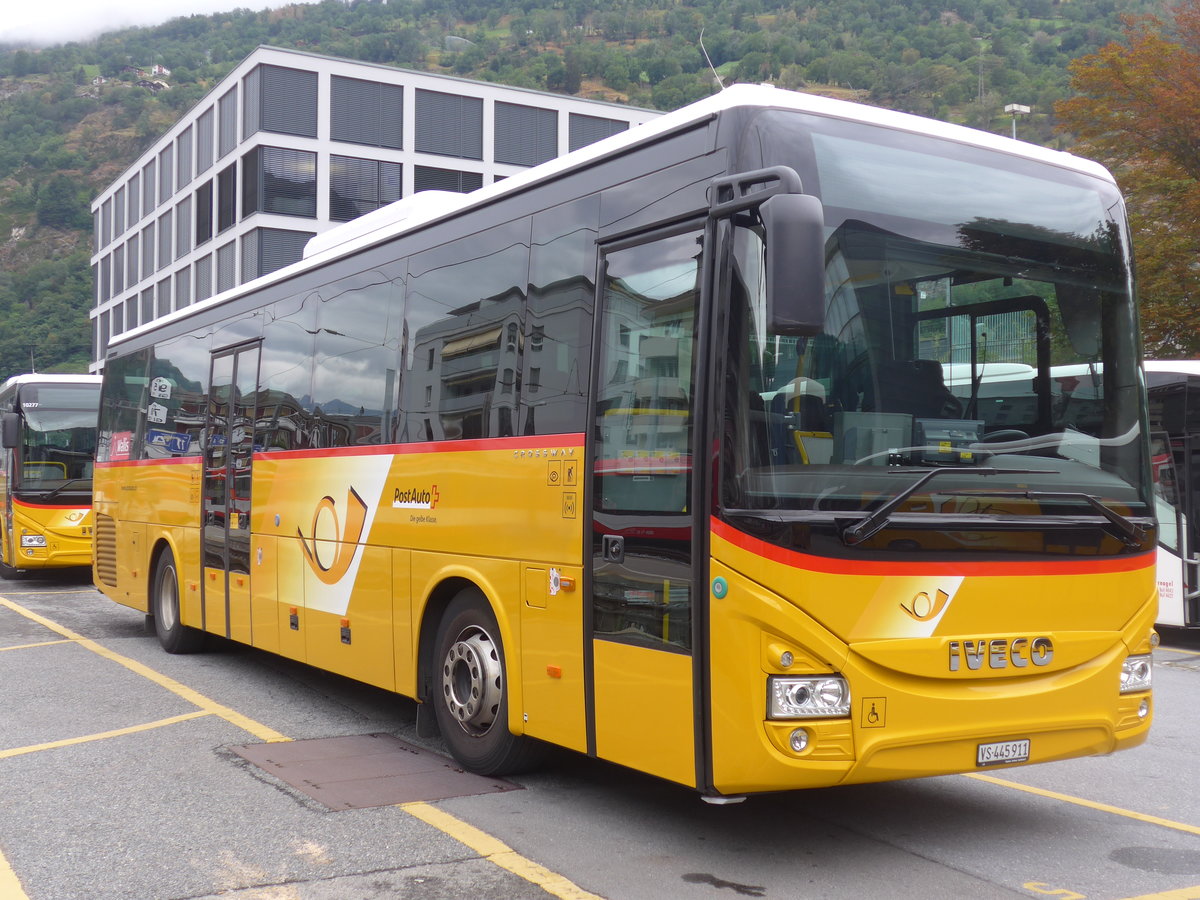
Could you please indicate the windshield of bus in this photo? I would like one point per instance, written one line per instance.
(58, 439)
(976, 385)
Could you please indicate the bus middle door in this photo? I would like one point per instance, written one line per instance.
(228, 460)
(642, 579)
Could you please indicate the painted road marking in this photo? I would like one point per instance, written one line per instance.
(259, 730)
(31, 646)
(1090, 804)
(132, 729)
(1192, 893)
(490, 848)
(497, 852)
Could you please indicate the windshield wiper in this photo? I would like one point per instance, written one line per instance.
(62, 487)
(872, 524)
(1130, 532)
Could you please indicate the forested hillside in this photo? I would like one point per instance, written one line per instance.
(73, 116)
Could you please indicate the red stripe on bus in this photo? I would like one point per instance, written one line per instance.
(831, 566)
(29, 505)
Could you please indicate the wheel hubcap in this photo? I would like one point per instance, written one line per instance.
(168, 599)
(472, 681)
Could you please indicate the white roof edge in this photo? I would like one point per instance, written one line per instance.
(37, 378)
(384, 223)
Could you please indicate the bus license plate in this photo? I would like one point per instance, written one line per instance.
(1002, 752)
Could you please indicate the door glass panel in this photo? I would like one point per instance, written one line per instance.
(643, 444)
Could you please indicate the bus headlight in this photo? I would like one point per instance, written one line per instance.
(820, 696)
(33, 540)
(1137, 673)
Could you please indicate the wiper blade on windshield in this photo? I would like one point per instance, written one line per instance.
(1130, 532)
(872, 524)
(62, 487)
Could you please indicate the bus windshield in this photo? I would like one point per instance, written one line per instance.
(58, 441)
(979, 325)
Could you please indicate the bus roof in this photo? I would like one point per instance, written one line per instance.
(35, 378)
(418, 210)
(1178, 366)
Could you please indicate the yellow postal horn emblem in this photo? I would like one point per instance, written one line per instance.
(345, 542)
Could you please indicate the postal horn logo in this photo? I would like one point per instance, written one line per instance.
(331, 544)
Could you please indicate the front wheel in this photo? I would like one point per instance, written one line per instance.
(174, 636)
(470, 691)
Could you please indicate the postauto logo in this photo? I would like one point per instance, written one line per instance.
(415, 498)
(329, 556)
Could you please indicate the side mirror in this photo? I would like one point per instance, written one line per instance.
(10, 430)
(795, 239)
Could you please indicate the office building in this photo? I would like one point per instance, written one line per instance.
(290, 144)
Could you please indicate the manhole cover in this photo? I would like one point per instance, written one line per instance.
(365, 770)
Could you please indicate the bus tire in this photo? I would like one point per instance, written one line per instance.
(174, 636)
(470, 695)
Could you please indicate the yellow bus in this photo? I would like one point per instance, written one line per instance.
(48, 429)
(648, 453)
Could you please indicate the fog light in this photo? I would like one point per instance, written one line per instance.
(1143, 709)
(799, 740)
(785, 659)
(1137, 673)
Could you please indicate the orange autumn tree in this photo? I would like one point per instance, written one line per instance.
(1137, 110)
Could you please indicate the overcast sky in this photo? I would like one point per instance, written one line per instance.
(45, 22)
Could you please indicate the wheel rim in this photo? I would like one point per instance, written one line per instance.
(168, 599)
(472, 681)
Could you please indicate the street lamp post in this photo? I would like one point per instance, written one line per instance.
(1016, 109)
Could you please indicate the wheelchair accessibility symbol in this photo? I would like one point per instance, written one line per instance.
(874, 712)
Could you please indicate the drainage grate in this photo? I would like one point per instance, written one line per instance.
(365, 770)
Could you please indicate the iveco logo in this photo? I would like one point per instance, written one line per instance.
(1000, 653)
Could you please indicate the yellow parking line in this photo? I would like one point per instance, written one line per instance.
(30, 646)
(1090, 804)
(260, 731)
(497, 852)
(132, 729)
(490, 848)
(10, 885)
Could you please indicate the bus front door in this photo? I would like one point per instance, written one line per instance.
(642, 580)
(228, 457)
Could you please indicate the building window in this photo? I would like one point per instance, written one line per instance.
(183, 227)
(148, 248)
(281, 181)
(164, 297)
(525, 135)
(204, 141)
(358, 186)
(149, 187)
(134, 196)
(203, 278)
(280, 100)
(449, 125)
(204, 211)
(586, 130)
(266, 249)
(105, 279)
(226, 266)
(119, 212)
(183, 288)
(147, 305)
(428, 178)
(164, 239)
(183, 157)
(366, 112)
(227, 124)
(132, 273)
(166, 173)
(118, 269)
(227, 197)
(106, 223)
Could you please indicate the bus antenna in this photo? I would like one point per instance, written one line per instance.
(716, 74)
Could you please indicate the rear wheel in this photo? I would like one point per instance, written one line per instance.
(174, 636)
(470, 691)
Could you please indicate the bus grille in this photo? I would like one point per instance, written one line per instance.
(104, 549)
